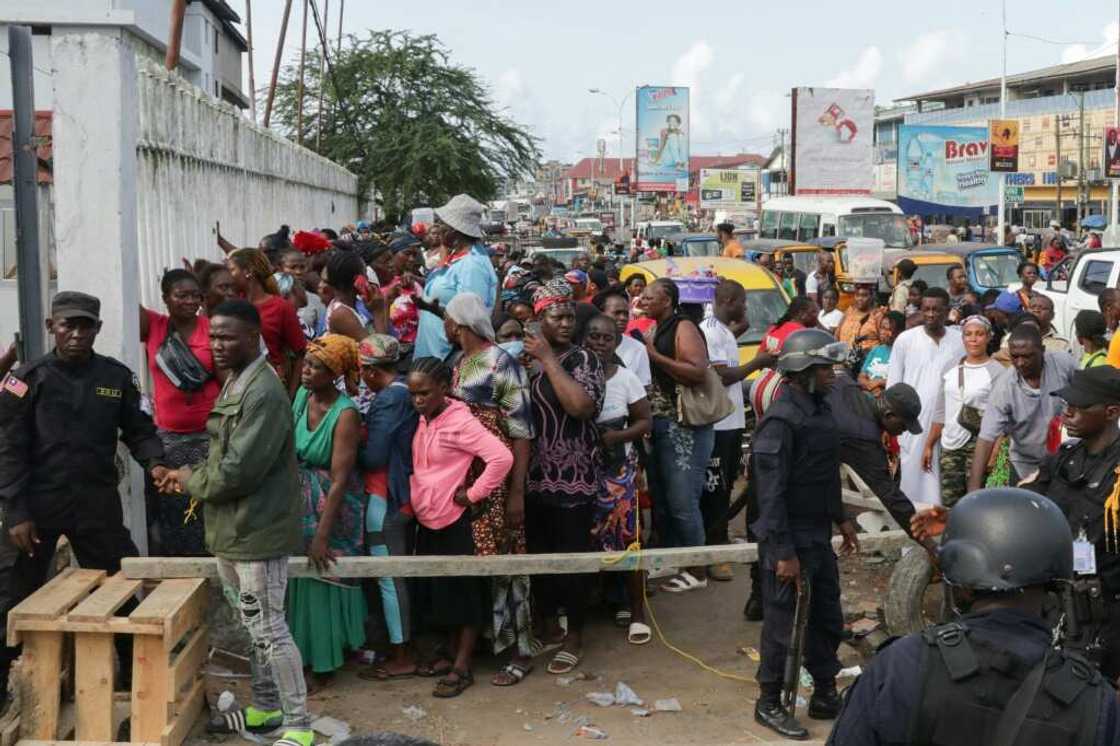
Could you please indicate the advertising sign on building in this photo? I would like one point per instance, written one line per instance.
(944, 170)
(728, 188)
(1111, 158)
(662, 127)
(1003, 148)
(832, 133)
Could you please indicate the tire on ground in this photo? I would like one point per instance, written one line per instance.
(903, 607)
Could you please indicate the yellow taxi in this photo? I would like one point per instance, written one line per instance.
(766, 300)
(933, 267)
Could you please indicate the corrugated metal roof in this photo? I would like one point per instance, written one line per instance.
(1071, 69)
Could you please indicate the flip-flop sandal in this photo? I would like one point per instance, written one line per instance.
(432, 668)
(539, 647)
(514, 672)
(563, 662)
(684, 582)
(380, 673)
(622, 618)
(447, 688)
(639, 634)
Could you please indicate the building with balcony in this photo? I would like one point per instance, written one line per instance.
(1062, 112)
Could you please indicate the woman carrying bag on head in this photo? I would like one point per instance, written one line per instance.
(678, 363)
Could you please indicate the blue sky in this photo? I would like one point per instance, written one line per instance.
(739, 58)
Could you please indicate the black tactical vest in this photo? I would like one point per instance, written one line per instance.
(813, 492)
(966, 684)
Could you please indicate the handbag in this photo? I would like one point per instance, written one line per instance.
(704, 403)
(969, 417)
(179, 364)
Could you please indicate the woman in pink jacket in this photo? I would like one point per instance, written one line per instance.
(448, 439)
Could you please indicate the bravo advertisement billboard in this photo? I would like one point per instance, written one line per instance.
(945, 170)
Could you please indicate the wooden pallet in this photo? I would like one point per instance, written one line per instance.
(170, 641)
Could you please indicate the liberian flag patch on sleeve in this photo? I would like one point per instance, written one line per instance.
(14, 386)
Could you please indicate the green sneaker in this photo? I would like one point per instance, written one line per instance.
(296, 738)
(249, 720)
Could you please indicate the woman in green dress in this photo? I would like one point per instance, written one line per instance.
(327, 615)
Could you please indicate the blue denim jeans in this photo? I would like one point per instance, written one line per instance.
(676, 473)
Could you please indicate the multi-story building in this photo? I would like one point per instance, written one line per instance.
(1062, 111)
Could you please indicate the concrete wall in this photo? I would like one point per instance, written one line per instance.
(199, 162)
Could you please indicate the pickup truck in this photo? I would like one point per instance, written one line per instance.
(1076, 281)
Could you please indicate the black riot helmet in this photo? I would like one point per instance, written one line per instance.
(808, 347)
(1004, 539)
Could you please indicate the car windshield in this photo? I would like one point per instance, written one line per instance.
(702, 247)
(564, 256)
(764, 307)
(660, 231)
(996, 270)
(933, 275)
(890, 227)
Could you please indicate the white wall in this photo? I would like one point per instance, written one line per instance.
(201, 162)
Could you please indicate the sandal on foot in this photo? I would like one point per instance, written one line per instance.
(448, 687)
(563, 662)
(539, 647)
(684, 582)
(639, 634)
(438, 667)
(381, 673)
(515, 673)
(622, 618)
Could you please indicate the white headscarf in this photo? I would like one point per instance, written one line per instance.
(467, 309)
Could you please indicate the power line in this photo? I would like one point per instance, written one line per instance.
(1051, 41)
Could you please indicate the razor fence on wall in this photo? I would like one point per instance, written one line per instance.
(200, 162)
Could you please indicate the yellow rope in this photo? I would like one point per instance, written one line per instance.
(635, 549)
(1112, 516)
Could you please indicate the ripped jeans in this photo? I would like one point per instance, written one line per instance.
(256, 590)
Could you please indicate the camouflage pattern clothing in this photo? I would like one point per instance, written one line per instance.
(954, 472)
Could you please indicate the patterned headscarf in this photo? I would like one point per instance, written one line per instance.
(339, 353)
(256, 264)
(978, 319)
(379, 349)
(554, 292)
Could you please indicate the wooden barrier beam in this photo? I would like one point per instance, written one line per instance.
(158, 568)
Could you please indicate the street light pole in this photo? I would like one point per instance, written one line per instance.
(1002, 114)
(621, 104)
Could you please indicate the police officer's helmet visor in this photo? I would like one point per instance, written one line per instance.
(833, 353)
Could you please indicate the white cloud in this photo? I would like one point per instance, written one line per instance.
(509, 88)
(863, 73)
(929, 52)
(1078, 52)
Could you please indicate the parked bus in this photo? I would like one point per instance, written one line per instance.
(806, 218)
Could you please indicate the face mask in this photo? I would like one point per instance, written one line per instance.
(514, 347)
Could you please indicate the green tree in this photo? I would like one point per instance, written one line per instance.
(415, 126)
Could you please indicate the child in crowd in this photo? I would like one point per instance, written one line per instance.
(873, 374)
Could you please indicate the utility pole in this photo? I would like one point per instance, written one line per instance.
(252, 77)
(1082, 198)
(782, 132)
(276, 63)
(1114, 223)
(1002, 115)
(25, 168)
(1058, 163)
(175, 34)
(299, 98)
(322, 75)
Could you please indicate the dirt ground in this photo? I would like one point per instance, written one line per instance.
(708, 624)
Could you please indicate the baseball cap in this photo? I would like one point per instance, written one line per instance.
(902, 401)
(1008, 302)
(1100, 385)
(70, 304)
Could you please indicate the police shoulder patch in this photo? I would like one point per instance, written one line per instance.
(14, 386)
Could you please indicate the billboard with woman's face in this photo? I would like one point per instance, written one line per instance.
(662, 141)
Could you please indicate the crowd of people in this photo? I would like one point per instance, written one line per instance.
(420, 392)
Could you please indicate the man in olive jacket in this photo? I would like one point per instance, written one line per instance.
(250, 491)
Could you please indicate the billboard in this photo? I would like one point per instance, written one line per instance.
(832, 134)
(1003, 137)
(728, 188)
(1111, 157)
(944, 170)
(662, 141)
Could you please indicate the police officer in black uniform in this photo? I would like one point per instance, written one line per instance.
(862, 421)
(796, 475)
(60, 418)
(992, 677)
(1081, 478)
